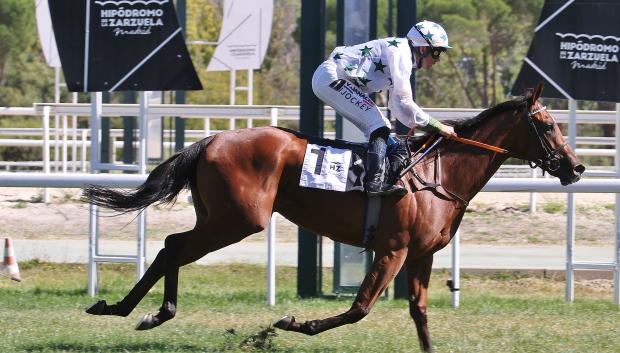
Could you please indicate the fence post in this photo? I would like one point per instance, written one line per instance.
(207, 126)
(570, 210)
(74, 123)
(84, 145)
(46, 149)
(274, 117)
(533, 194)
(64, 143)
(56, 143)
(455, 285)
(271, 261)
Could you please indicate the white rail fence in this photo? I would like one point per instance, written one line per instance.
(63, 138)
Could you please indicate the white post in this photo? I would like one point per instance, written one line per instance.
(83, 150)
(93, 228)
(456, 268)
(533, 194)
(46, 149)
(274, 117)
(56, 100)
(250, 87)
(232, 90)
(74, 123)
(207, 126)
(112, 149)
(617, 242)
(56, 143)
(232, 123)
(64, 143)
(271, 261)
(570, 210)
(142, 164)
(93, 225)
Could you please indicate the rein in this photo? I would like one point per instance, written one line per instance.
(551, 162)
(478, 144)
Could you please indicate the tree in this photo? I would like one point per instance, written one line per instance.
(488, 36)
(24, 76)
(16, 22)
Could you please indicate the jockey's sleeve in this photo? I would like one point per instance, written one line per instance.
(401, 97)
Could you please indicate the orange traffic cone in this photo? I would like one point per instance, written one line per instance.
(10, 263)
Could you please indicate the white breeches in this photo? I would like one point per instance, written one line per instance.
(347, 99)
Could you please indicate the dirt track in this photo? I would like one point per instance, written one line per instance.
(492, 218)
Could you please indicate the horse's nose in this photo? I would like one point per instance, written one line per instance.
(579, 169)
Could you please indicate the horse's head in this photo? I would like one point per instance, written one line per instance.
(546, 147)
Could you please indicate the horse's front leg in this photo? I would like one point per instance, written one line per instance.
(383, 270)
(418, 277)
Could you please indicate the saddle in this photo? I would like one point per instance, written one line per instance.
(398, 157)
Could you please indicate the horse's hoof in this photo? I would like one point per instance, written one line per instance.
(285, 322)
(97, 309)
(146, 323)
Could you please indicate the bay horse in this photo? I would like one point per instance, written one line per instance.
(239, 178)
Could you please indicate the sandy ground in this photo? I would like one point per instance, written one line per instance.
(492, 218)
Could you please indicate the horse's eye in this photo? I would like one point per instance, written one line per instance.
(548, 127)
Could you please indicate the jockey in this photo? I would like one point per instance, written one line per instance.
(346, 78)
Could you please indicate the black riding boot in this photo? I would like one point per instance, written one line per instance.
(375, 160)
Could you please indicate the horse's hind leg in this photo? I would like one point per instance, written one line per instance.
(383, 270)
(181, 249)
(153, 274)
(166, 263)
(418, 277)
(207, 236)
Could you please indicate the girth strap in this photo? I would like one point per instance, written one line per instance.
(436, 184)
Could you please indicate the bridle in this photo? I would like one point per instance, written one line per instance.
(551, 161)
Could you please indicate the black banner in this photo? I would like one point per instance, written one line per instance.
(132, 46)
(575, 51)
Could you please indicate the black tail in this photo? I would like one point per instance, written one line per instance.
(162, 185)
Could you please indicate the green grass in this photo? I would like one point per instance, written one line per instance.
(554, 207)
(222, 309)
(20, 204)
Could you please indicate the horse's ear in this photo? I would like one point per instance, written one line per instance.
(537, 93)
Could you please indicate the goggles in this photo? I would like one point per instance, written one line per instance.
(436, 52)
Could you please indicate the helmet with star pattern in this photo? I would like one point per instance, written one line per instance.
(427, 33)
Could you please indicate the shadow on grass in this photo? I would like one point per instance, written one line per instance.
(60, 291)
(262, 341)
(118, 347)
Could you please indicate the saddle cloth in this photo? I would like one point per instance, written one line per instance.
(338, 165)
(331, 168)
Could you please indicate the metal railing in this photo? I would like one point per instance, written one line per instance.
(62, 138)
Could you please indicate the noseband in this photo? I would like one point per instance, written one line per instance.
(551, 161)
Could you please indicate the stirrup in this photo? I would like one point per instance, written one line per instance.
(385, 189)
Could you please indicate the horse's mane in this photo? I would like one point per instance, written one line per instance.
(464, 123)
(511, 105)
